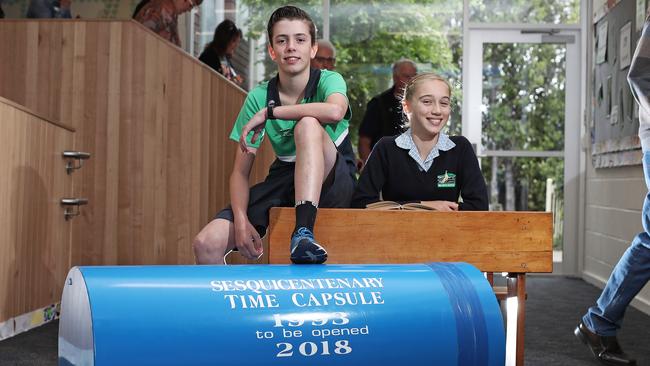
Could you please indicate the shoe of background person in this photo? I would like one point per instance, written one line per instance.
(305, 249)
(605, 349)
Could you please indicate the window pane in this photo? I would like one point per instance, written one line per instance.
(523, 110)
(525, 11)
(523, 96)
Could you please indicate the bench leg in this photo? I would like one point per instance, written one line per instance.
(515, 319)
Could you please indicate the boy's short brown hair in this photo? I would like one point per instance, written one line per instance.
(291, 13)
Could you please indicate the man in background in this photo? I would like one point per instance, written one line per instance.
(384, 112)
(325, 56)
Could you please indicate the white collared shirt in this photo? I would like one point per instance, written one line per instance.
(405, 141)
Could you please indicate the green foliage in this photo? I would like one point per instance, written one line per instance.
(523, 88)
(259, 12)
(371, 36)
(525, 11)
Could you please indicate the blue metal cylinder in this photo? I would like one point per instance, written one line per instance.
(412, 314)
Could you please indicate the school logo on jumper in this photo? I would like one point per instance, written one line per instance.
(447, 180)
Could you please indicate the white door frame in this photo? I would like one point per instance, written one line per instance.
(475, 35)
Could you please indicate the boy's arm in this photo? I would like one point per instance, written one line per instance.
(247, 239)
(332, 110)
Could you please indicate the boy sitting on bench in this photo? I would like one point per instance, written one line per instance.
(305, 115)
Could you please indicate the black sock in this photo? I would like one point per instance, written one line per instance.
(305, 216)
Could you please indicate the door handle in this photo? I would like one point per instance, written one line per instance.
(79, 156)
(72, 206)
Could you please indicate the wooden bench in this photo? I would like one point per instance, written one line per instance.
(512, 242)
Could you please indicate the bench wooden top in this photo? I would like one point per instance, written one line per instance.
(492, 241)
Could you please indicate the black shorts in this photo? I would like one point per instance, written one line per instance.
(277, 190)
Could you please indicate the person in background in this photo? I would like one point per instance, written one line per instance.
(2, 13)
(384, 112)
(138, 7)
(423, 164)
(304, 113)
(217, 54)
(599, 325)
(325, 59)
(161, 16)
(49, 9)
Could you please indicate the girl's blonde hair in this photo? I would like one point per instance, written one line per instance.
(418, 79)
(409, 89)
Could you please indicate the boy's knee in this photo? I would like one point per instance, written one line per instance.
(210, 245)
(307, 127)
(200, 244)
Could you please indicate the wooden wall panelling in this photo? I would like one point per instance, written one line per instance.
(128, 125)
(155, 120)
(155, 135)
(182, 169)
(35, 238)
(175, 160)
(104, 189)
(93, 137)
(132, 167)
(74, 100)
(201, 152)
(8, 39)
(65, 100)
(113, 117)
(31, 77)
(55, 65)
(219, 146)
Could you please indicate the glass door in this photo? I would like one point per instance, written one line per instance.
(520, 108)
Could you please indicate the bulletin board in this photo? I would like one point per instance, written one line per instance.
(617, 27)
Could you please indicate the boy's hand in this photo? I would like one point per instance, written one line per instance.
(441, 205)
(248, 241)
(255, 124)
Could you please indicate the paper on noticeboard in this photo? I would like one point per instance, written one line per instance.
(640, 14)
(601, 42)
(624, 45)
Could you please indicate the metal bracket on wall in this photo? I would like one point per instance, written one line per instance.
(72, 206)
(80, 156)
